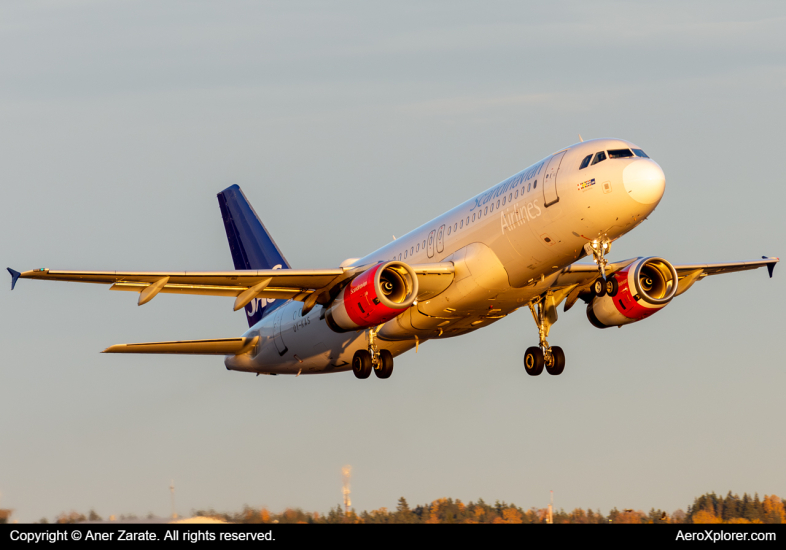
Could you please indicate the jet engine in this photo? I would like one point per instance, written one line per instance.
(376, 296)
(643, 288)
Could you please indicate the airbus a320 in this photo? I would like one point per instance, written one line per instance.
(515, 245)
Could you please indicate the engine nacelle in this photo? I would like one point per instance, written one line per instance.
(645, 287)
(374, 297)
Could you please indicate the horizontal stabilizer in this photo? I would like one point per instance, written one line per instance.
(215, 346)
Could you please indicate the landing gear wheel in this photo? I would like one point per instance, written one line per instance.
(533, 361)
(361, 364)
(599, 287)
(557, 361)
(612, 286)
(385, 366)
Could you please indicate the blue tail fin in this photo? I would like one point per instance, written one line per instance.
(251, 245)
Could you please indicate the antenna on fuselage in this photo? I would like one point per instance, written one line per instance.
(581, 139)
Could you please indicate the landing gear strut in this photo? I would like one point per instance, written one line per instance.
(380, 361)
(544, 356)
(599, 248)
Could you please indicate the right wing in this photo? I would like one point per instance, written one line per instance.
(305, 285)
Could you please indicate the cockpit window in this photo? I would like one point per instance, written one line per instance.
(619, 153)
(640, 153)
(585, 162)
(599, 157)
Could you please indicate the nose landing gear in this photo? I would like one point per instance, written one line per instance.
(380, 361)
(602, 285)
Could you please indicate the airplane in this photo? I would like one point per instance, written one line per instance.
(514, 245)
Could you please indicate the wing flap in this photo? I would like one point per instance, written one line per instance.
(215, 346)
(433, 279)
(217, 290)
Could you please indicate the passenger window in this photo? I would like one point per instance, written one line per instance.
(424, 244)
(405, 254)
(487, 210)
(467, 220)
(529, 186)
(497, 204)
(473, 217)
(585, 162)
(418, 247)
(517, 193)
(640, 153)
(510, 198)
(455, 226)
(492, 207)
(619, 153)
(411, 251)
(599, 157)
(535, 185)
(503, 201)
(449, 228)
(461, 224)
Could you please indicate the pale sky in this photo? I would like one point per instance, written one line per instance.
(346, 123)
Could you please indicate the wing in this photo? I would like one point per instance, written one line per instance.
(575, 280)
(305, 285)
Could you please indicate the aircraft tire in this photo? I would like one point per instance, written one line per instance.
(385, 364)
(557, 362)
(599, 287)
(361, 364)
(533, 361)
(612, 286)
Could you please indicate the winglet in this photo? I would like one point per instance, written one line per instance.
(770, 266)
(14, 277)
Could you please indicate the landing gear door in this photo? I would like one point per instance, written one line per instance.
(550, 180)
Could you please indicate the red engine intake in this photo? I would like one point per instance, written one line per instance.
(374, 297)
(645, 287)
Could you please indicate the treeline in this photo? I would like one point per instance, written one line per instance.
(708, 508)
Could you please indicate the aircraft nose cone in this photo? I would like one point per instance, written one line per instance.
(644, 181)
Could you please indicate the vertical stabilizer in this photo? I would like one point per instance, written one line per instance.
(251, 245)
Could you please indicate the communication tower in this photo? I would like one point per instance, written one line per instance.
(172, 490)
(550, 517)
(346, 472)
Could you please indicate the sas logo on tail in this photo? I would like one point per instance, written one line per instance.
(257, 304)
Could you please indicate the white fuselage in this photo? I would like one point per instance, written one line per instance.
(508, 245)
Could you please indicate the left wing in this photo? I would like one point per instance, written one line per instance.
(579, 277)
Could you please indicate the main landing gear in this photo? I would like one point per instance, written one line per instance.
(544, 356)
(378, 360)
